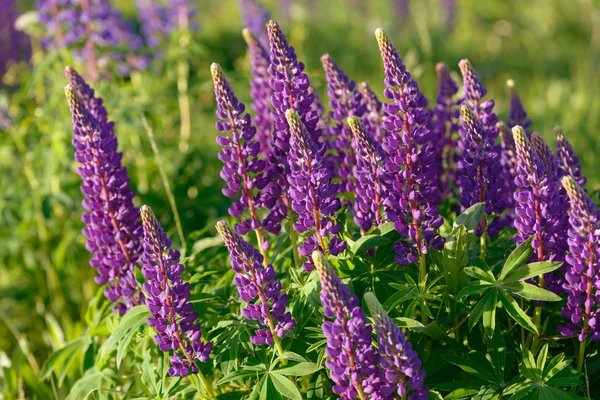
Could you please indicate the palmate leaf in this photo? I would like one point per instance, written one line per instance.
(489, 314)
(531, 270)
(471, 217)
(497, 353)
(517, 258)
(530, 292)
(284, 386)
(479, 308)
(478, 273)
(514, 310)
(470, 366)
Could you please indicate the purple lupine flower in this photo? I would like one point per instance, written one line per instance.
(410, 164)
(255, 17)
(444, 127)
(312, 195)
(243, 170)
(260, 91)
(168, 299)
(449, 9)
(352, 358)
(153, 17)
(55, 16)
(181, 14)
(402, 9)
(256, 281)
(400, 363)
(508, 160)
(517, 114)
(113, 229)
(372, 119)
(567, 158)
(344, 102)
(15, 45)
(370, 191)
(583, 276)
(481, 178)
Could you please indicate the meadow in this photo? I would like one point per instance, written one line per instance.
(59, 335)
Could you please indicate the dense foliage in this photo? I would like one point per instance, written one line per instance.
(378, 245)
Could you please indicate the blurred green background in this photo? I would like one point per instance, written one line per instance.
(550, 48)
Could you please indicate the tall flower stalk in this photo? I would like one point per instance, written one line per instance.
(410, 163)
(243, 170)
(567, 158)
(257, 281)
(583, 276)
(508, 160)
(372, 119)
(400, 363)
(113, 229)
(311, 193)
(370, 190)
(352, 358)
(168, 299)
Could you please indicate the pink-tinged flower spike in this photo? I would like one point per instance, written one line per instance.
(444, 127)
(372, 119)
(169, 301)
(481, 178)
(344, 102)
(312, 195)
(243, 170)
(113, 229)
(260, 91)
(410, 163)
(517, 114)
(567, 158)
(400, 363)
(583, 276)
(256, 281)
(370, 190)
(508, 160)
(351, 357)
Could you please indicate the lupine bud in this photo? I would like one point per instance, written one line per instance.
(539, 208)
(243, 171)
(567, 158)
(370, 190)
(311, 192)
(260, 91)
(113, 229)
(168, 299)
(410, 166)
(583, 276)
(255, 17)
(344, 102)
(372, 118)
(517, 114)
(400, 363)
(481, 178)
(444, 128)
(351, 357)
(255, 281)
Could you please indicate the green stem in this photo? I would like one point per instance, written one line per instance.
(259, 238)
(184, 104)
(537, 320)
(424, 317)
(293, 237)
(581, 356)
(205, 384)
(483, 245)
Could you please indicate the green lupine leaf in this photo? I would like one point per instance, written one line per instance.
(478, 273)
(302, 369)
(517, 258)
(515, 311)
(469, 366)
(61, 360)
(497, 352)
(477, 311)
(531, 270)
(471, 217)
(285, 387)
(541, 358)
(531, 292)
(474, 289)
(368, 242)
(489, 314)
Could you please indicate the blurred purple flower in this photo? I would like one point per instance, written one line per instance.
(372, 119)
(255, 17)
(517, 114)
(567, 158)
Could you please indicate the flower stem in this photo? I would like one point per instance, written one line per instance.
(293, 236)
(483, 246)
(581, 357)
(207, 389)
(259, 238)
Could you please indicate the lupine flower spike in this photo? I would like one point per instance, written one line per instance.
(481, 178)
(445, 130)
(344, 102)
(400, 363)
(409, 204)
(372, 118)
(567, 158)
(168, 299)
(370, 190)
(243, 169)
(311, 192)
(352, 358)
(583, 276)
(508, 160)
(255, 17)
(113, 229)
(255, 281)
(260, 91)
(517, 114)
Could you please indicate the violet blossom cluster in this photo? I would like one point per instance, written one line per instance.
(153, 17)
(410, 164)
(372, 119)
(256, 281)
(567, 159)
(113, 230)
(352, 358)
(400, 364)
(311, 192)
(255, 17)
(243, 170)
(517, 114)
(260, 91)
(583, 275)
(15, 46)
(181, 13)
(168, 299)
(345, 101)
(444, 127)
(539, 208)
(370, 175)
